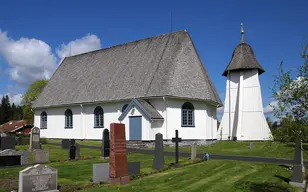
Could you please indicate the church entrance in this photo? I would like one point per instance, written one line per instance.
(135, 128)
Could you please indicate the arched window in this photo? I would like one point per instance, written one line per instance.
(124, 107)
(188, 117)
(43, 120)
(98, 117)
(68, 118)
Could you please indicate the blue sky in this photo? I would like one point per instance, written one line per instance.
(275, 29)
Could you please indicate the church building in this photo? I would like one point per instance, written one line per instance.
(243, 117)
(153, 85)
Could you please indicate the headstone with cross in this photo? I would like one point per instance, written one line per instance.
(176, 140)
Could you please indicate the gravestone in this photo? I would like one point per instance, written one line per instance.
(193, 151)
(176, 140)
(133, 168)
(252, 145)
(10, 157)
(298, 174)
(35, 138)
(206, 157)
(105, 144)
(38, 178)
(100, 173)
(41, 156)
(65, 144)
(118, 171)
(72, 152)
(159, 161)
(72, 142)
(19, 140)
(7, 141)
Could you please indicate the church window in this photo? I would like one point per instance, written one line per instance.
(43, 120)
(124, 107)
(188, 117)
(98, 117)
(68, 118)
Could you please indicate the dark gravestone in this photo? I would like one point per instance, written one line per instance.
(133, 168)
(298, 175)
(65, 144)
(105, 144)
(72, 142)
(159, 160)
(8, 142)
(11, 160)
(77, 156)
(19, 141)
(176, 140)
(72, 152)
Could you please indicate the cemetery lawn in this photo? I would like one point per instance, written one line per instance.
(261, 149)
(74, 175)
(214, 175)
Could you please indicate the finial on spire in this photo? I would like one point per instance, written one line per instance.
(242, 33)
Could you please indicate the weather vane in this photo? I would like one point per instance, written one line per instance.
(242, 32)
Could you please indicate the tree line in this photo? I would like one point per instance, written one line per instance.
(9, 111)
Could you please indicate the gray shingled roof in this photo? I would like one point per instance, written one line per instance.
(147, 106)
(243, 58)
(165, 65)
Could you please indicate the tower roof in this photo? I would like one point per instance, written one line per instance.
(243, 58)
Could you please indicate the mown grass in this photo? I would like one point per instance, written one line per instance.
(73, 175)
(214, 175)
(261, 149)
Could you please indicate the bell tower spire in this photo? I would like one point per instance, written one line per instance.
(242, 33)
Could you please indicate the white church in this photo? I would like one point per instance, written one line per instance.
(153, 85)
(243, 117)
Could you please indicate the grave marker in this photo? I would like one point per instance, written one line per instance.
(133, 168)
(41, 156)
(35, 138)
(176, 140)
(100, 173)
(19, 140)
(118, 171)
(193, 151)
(159, 161)
(72, 152)
(65, 143)
(38, 178)
(7, 141)
(252, 145)
(105, 144)
(10, 157)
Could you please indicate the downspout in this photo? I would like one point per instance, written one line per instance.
(229, 105)
(166, 120)
(82, 123)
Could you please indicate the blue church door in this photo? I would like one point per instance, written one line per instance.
(135, 128)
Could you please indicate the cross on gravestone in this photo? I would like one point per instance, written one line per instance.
(35, 138)
(105, 144)
(159, 161)
(176, 140)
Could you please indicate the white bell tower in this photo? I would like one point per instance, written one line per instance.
(243, 117)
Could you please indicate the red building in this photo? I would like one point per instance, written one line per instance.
(17, 127)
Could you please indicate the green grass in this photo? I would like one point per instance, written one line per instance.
(214, 175)
(76, 174)
(261, 149)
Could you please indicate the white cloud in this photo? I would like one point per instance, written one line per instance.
(28, 59)
(270, 107)
(33, 59)
(78, 46)
(14, 98)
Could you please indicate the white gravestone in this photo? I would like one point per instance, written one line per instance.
(38, 178)
(193, 151)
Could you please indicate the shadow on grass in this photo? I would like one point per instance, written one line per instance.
(282, 178)
(267, 186)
